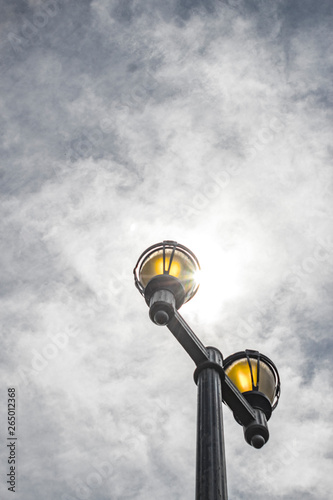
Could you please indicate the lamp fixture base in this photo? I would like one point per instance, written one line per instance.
(165, 282)
(256, 433)
(162, 307)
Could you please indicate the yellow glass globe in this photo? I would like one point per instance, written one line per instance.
(169, 258)
(240, 374)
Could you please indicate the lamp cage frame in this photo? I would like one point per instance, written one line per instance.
(164, 245)
(249, 354)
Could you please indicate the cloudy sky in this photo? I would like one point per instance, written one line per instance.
(124, 123)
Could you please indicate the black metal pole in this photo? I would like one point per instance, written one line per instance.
(211, 478)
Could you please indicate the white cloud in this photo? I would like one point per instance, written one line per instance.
(124, 125)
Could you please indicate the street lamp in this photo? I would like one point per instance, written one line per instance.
(166, 274)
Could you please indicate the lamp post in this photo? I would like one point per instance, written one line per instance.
(248, 382)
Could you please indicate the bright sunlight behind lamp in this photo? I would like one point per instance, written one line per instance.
(168, 258)
(166, 275)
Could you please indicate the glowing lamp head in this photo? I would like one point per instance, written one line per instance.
(170, 260)
(256, 377)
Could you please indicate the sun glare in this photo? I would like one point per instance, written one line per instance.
(220, 277)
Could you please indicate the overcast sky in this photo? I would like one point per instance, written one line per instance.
(124, 123)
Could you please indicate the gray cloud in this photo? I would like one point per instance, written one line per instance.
(124, 124)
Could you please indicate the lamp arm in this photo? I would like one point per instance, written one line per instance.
(188, 339)
(253, 420)
(242, 410)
